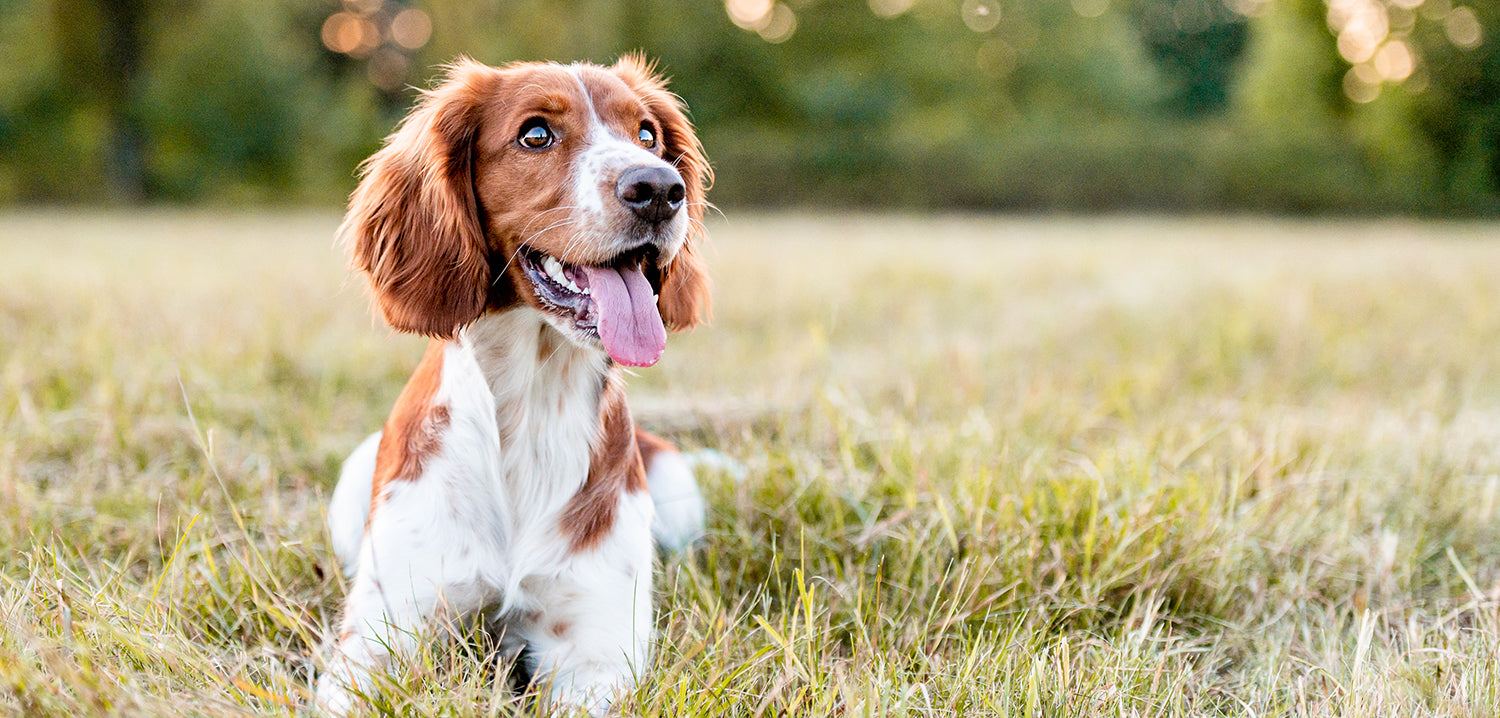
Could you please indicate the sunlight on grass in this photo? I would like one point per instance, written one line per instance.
(994, 467)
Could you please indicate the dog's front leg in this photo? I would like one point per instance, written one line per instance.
(591, 637)
(412, 575)
(372, 630)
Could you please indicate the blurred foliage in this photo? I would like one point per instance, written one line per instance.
(1268, 105)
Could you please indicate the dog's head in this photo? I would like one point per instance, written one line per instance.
(577, 190)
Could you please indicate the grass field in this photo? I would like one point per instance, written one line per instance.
(1012, 467)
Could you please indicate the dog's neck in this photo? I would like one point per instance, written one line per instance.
(547, 392)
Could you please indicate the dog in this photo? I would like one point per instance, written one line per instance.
(542, 225)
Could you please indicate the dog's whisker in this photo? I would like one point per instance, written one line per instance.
(708, 206)
(543, 213)
(520, 246)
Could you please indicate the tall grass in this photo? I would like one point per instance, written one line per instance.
(991, 467)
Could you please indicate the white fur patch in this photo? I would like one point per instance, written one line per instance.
(595, 170)
(350, 505)
(679, 505)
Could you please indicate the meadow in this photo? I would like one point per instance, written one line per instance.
(982, 466)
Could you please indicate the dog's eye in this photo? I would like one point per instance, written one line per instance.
(646, 136)
(536, 135)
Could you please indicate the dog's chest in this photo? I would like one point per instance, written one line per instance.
(535, 415)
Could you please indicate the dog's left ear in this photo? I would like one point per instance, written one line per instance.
(686, 299)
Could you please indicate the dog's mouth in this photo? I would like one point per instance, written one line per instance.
(614, 302)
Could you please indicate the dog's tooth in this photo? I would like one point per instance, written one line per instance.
(571, 285)
(655, 299)
(554, 270)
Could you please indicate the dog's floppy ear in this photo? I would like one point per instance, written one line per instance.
(686, 292)
(686, 299)
(413, 224)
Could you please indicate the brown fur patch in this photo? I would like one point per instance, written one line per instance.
(614, 468)
(413, 431)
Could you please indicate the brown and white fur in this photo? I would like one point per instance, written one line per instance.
(509, 482)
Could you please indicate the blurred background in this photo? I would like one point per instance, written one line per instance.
(1285, 106)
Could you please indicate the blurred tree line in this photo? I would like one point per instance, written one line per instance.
(1258, 105)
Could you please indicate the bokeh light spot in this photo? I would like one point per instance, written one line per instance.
(1090, 8)
(1361, 25)
(981, 15)
(749, 14)
(1357, 88)
(387, 68)
(780, 23)
(411, 28)
(364, 7)
(1462, 27)
(1356, 45)
(890, 8)
(1394, 61)
(997, 58)
(350, 34)
(1248, 8)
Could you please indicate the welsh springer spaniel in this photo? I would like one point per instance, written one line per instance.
(540, 223)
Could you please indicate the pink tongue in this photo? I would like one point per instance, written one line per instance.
(629, 324)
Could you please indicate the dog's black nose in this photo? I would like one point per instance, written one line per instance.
(653, 192)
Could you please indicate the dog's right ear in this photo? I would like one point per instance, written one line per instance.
(413, 224)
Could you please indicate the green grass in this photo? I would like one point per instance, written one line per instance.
(1013, 467)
